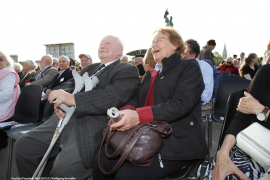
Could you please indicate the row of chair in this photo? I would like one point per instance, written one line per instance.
(28, 105)
(28, 114)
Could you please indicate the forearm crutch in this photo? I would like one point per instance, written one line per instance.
(80, 82)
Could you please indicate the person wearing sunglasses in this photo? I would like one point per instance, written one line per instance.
(228, 68)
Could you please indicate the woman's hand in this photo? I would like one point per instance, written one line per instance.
(249, 105)
(224, 167)
(130, 118)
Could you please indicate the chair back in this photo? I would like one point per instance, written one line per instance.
(232, 77)
(48, 111)
(224, 89)
(27, 106)
(230, 113)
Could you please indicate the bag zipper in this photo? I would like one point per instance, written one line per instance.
(160, 161)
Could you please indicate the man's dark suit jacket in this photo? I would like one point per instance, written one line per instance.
(28, 76)
(117, 83)
(64, 77)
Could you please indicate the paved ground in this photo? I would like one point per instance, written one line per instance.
(14, 172)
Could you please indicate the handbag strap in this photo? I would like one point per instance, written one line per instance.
(124, 155)
(123, 142)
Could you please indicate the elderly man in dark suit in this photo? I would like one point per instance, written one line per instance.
(64, 75)
(77, 145)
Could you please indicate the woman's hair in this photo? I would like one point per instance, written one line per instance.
(247, 61)
(174, 37)
(268, 48)
(149, 59)
(9, 61)
(31, 63)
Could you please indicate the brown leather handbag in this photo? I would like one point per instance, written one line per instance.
(138, 145)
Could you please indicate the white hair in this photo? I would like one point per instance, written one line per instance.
(9, 60)
(118, 41)
(56, 59)
(31, 63)
(139, 58)
(17, 67)
(229, 58)
(49, 58)
(65, 57)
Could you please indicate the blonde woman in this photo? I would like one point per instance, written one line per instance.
(9, 88)
(266, 60)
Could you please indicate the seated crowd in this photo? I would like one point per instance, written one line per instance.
(174, 82)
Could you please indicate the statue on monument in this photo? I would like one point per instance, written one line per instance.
(167, 21)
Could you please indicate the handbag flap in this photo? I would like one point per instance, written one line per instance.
(258, 136)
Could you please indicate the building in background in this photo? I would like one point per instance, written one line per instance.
(14, 57)
(57, 50)
(224, 53)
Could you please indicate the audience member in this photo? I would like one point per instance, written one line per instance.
(174, 98)
(82, 135)
(44, 77)
(242, 58)
(86, 60)
(229, 68)
(231, 162)
(217, 75)
(55, 63)
(9, 88)
(236, 63)
(64, 75)
(249, 67)
(192, 51)
(29, 66)
(124, 59)
(206, 52)
(222, 62)
(18, 69)
(235, 57)
(138, 60)
(267, 55)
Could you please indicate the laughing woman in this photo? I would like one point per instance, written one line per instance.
(172, 93)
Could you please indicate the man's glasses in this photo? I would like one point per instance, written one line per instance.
(228, 62)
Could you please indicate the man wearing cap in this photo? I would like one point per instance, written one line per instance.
(73, 153)
(86, 60)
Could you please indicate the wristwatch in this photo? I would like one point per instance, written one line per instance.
(261, 116)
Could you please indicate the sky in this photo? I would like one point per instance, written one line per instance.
(243, 25)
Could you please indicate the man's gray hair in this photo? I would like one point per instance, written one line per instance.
(229, 58)
(49, 58)
(18, 67)
(56, 59)
(31, 63)
(118, 41)
(139, 58)
(65, 57)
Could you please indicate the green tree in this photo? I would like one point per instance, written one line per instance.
(260, 60)
(77, 64)
(217, 58)
(22, 63)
